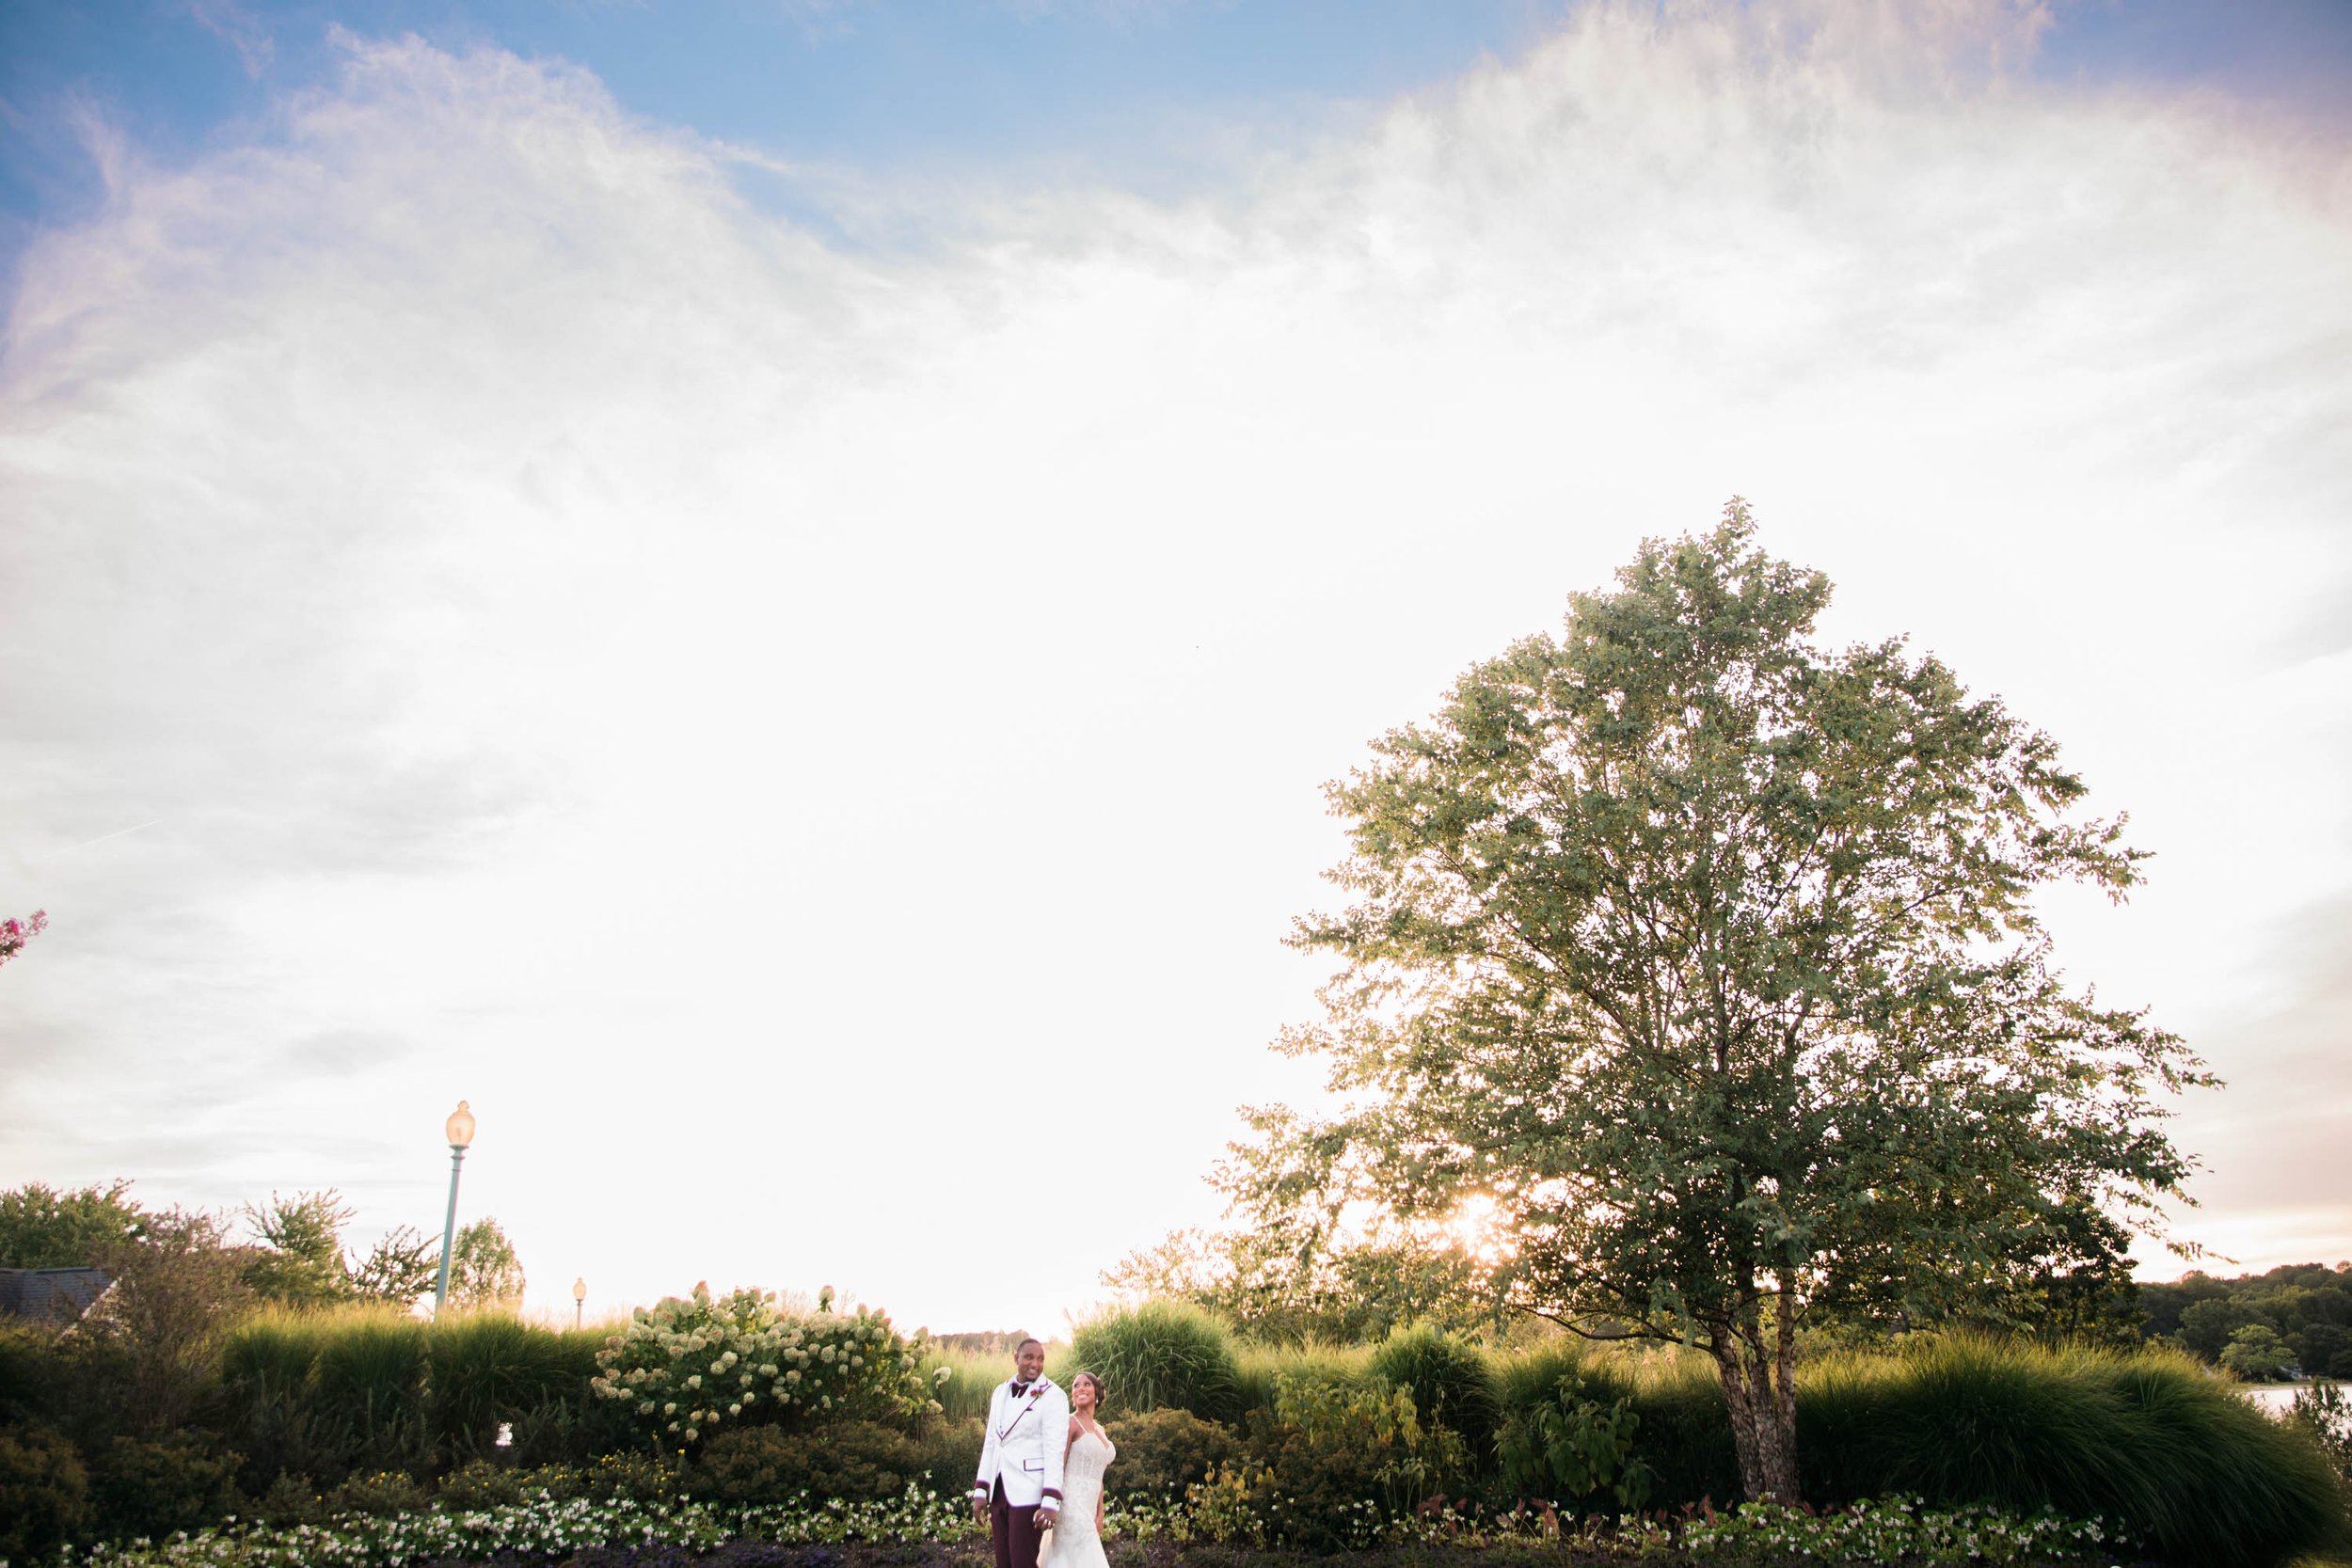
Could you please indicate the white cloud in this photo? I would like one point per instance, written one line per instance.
(766, 722)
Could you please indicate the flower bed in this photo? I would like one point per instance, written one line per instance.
(924, 1529)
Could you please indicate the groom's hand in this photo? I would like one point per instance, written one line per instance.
(979, 1511)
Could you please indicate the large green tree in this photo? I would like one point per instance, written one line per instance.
(1707, 955)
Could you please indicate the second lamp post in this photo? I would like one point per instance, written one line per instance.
(460, 1130)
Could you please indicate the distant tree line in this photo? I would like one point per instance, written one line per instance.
(2295, 1319)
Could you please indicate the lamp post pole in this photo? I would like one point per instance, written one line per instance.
(579, 1300)
(460, 1130)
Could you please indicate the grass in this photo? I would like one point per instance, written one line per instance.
(2148, 1438)
(973, 1376)
(1162, 1354)
(325, 1393)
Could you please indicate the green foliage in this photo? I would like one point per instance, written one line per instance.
(46, 1228)
(153, 1488)
(852, 1461)
(2308, 1305)
(1332, 1461)
(44, 1493)
(491, 1368)
(2256, 1353)
(2324, 1417)
(948, 1452)
(400, 1268)
(1164, 1452)
(323, 1395)
(1162, 1353)
(364, 1390)
(299, 1260)
(1449, 1381)
(693, 1364)
(1275, 1285)
(298, 1256)
(156, 1333)
(961, 1381)
(1708, 958)
(485, 1273)
(1261, 1368)
(1570, 1448)
(2187, 1465)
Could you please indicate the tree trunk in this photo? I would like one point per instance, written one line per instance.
(1763, 1408)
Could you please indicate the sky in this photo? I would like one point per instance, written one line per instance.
(765, 590)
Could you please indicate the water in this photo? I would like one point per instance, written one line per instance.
(2273, 1399)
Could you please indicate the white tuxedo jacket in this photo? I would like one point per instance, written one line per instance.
(1027, 1439)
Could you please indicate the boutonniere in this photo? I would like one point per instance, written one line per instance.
(1037, 1389)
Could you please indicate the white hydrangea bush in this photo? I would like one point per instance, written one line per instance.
(698, 1364)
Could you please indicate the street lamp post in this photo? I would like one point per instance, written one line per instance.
(460, 1130)
(580, 1299)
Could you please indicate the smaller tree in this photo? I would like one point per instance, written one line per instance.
(299, 1261)
(178, 1288)
(2256, 1354)
(45, 1227)
(399, 1268)
(484, 1270)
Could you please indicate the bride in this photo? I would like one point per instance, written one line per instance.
(1078, 1531)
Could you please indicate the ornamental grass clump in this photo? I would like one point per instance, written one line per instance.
(1162, 1353)
(2175, 1456)
(693, 1364)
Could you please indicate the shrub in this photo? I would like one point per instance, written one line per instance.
(44, 1493)
(692, 1366)
(1162, 1353)
(1573, 1448)
(142, 1488)
(485, 1484)
(1449, 1381)
(1332, 1463)
(572, 1430)
(1162, 1453)
(948, 1452)
(382, 1494)
(2325, 1417)
(851, 1462)
(1664, 1400)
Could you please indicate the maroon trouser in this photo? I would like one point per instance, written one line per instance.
(1012, 1531)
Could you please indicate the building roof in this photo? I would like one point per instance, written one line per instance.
(56, 1294)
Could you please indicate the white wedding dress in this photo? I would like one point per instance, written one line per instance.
(1077, 1543)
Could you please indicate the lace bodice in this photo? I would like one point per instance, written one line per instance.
(1075, 1542)
(1082, 1476)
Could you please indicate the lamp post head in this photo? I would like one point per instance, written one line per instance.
(579, 1288)
(460, 1126)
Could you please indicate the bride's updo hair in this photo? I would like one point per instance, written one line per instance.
(1098, 1388)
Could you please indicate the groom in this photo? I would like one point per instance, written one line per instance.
(1019, 1489)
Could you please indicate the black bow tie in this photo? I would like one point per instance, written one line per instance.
(1019, 1389)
